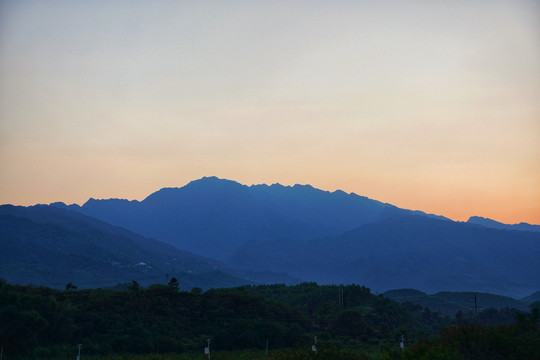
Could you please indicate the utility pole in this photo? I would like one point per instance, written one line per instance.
(475, 309)
(207, 350)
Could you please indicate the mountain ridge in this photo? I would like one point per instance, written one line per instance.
(479, 220)
(189, 216)
(328, 237)
(523, 226)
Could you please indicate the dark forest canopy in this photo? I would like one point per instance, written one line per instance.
(39, 322)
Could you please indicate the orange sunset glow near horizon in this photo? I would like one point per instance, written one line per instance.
(427, 105)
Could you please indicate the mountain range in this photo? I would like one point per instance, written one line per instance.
(276, 233)
(214, 217)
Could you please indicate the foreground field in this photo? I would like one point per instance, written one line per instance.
(283, 354)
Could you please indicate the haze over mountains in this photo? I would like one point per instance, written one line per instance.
(261, 232)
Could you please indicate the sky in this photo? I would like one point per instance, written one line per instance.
(427, 105)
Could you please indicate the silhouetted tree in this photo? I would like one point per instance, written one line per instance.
(134, 287)
(174, 284)
(70, 286)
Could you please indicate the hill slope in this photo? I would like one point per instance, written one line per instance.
(409, 251)
(50, 246)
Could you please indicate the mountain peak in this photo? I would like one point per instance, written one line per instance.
(209, 179)
(93, 201)
(213, 181)
(474, 219)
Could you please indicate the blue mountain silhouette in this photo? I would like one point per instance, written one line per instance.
(213, 217)
(329, 237)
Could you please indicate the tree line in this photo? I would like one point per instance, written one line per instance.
(40, 322)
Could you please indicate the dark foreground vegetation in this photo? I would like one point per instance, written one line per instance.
(161, 322)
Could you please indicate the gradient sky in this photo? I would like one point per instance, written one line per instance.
(429, 105)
